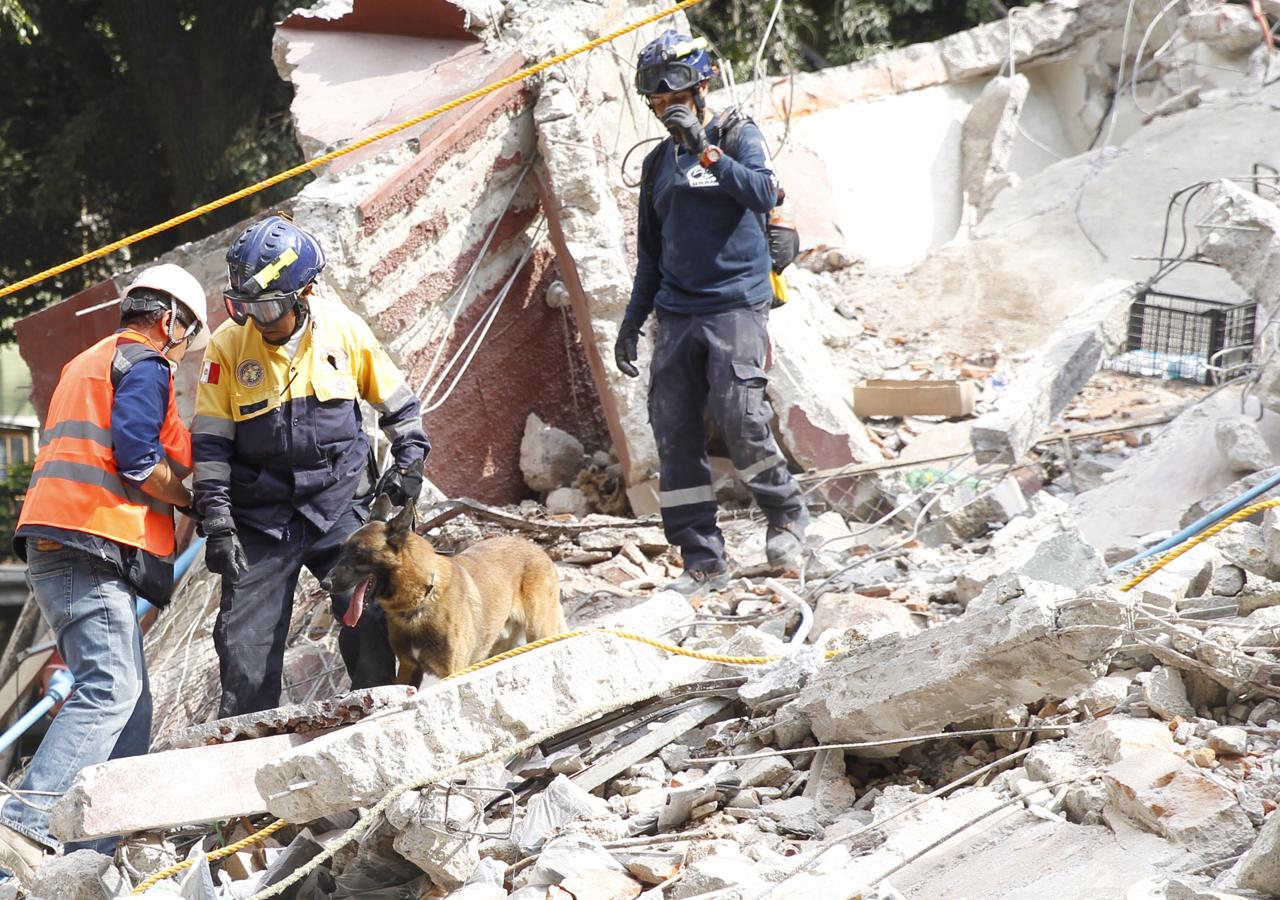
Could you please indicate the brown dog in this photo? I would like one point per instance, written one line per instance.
(445, 613)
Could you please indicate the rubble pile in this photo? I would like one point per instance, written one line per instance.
(964, 690)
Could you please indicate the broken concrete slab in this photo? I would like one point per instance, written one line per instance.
(1022, 651)
(299, 718)
(82, 875)
(1260, 868)
(1042, 387)
(987, 140)
(1166, 796)
(1243, 445)
(1241, 234)
(124, 795)
(452, 721)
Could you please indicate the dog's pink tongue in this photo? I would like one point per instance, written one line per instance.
(356, 607)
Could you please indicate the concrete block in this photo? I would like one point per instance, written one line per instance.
(1165, 796)
(1201, 508)
(435, 842)
(1251, 547)
(1243, 445)
(1248, 247)
(567, 500)
(1106, 693)
(1114, 738)
(1229, 741)
(1187, 576)
(778, 679)
(549, 457)
(1166, 695)
(986, 660)
(865, 618)
(996, 507)
(82, 875)
(1260, 868)
(1067, 560)
(463, 718)
(1044, 385)
(770, 771)
(300, 718)
(126, 795)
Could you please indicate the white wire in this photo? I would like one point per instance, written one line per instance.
(1115, 97)
(756, 75)
(487, 319)
(461, 292)
(1142, 46)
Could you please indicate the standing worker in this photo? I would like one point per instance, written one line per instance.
(96, 530)
(703, 261)
(282, 461)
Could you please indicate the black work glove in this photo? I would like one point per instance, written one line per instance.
(684, 126)
(224, 555)
(403, 487)
(784, 246)
(626, 349)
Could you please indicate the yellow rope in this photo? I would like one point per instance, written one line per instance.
(1198, 539)
(213, 856)
(334, 154)
(626, 635)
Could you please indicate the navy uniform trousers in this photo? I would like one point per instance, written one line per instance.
(714, 363)
(253, 618)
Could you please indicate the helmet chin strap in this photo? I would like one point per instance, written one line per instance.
(170, 343)
(300, 311)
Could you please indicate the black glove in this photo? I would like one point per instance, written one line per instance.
(685, 128)
(224, 555)
(403, 487)
(784, 246)
(625, 350)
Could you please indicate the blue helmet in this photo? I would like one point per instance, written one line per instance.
(271, 259)
(672, 62)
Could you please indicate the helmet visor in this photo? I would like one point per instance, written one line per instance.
(266, 309)
(667, 78)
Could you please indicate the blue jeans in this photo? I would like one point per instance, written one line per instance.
(90, 608)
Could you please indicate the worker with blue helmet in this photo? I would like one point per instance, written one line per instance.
(703, 267)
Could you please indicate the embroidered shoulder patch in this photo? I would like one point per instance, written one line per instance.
(210, 373)
(250, 373)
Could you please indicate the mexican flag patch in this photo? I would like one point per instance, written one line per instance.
(209, 374)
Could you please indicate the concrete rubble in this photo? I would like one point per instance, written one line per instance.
(955, 697)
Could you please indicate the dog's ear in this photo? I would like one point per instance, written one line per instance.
(400, 526)
(381, 509)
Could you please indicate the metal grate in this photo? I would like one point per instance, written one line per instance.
(1174, 336)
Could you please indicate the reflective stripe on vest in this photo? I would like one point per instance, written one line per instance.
(75, 483)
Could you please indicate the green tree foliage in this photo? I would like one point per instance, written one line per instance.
(814, 34)
(118, 114)
(14, 479)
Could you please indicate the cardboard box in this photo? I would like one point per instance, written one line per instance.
(892, 397)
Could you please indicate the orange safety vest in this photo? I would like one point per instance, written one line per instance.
(75, 484)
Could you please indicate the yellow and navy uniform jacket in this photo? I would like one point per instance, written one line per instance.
(276, 436)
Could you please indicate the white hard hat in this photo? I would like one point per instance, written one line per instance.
(183, 287)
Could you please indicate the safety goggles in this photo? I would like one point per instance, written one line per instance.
(667, 78)
(265, 309)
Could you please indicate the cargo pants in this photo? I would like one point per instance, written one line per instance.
(253, 617)
(714, 363)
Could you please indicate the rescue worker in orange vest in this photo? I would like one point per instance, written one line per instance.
(96, 531)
